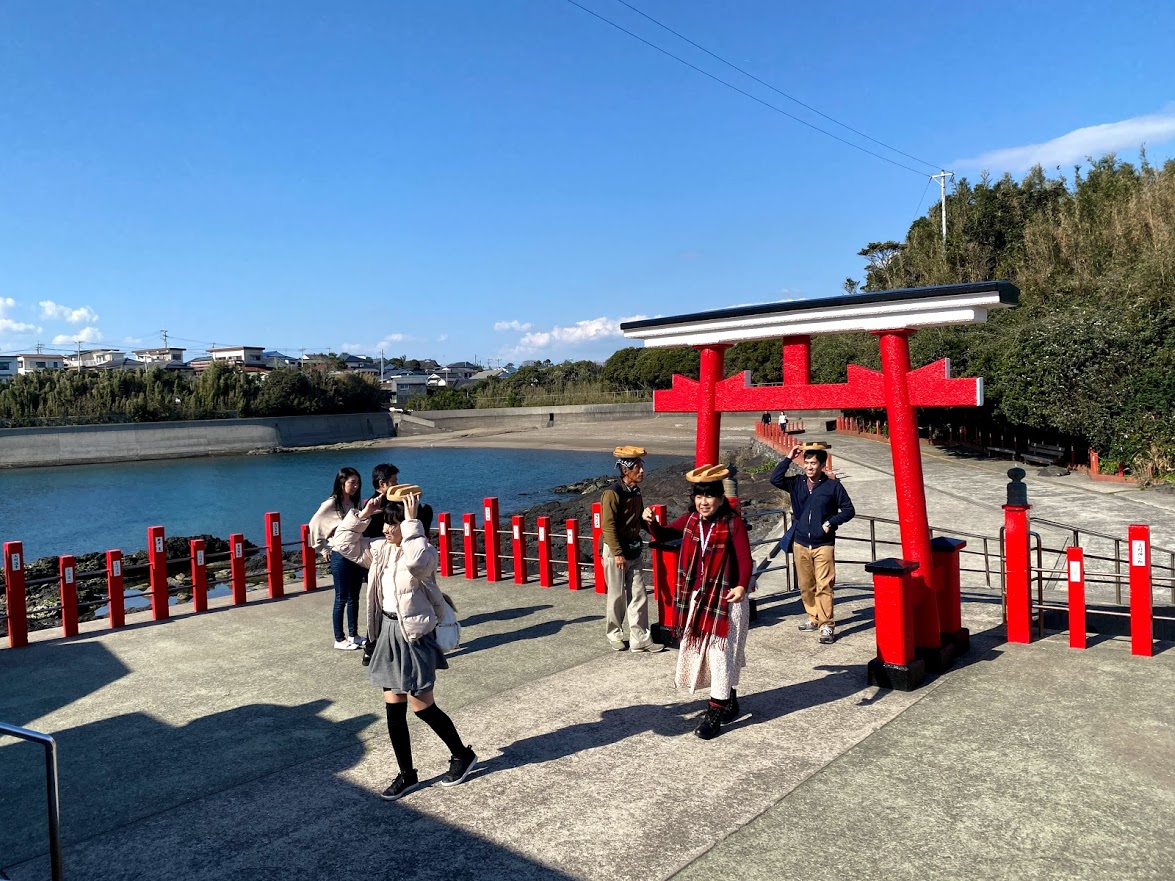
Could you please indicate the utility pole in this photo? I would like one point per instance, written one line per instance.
(302, 358)
(164, 333)
(941, 177)
(79, 345)
(381, 365)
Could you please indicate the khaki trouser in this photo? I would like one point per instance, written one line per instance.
(816, 572)
(626, 594)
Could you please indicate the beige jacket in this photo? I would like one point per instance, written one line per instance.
(323, 525)
(349, 541)
(403, 581)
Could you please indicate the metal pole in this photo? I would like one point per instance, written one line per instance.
(53, 797)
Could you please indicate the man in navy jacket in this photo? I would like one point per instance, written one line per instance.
(819, 505)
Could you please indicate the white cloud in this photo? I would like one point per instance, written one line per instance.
(443, 338)
(82, 315)
(7, 325)
(388, 344)
(591, 330)
(85, 335)
(520, 326)
(1093, 140)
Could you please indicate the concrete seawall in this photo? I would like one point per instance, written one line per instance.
(79, 444)
(506, 418)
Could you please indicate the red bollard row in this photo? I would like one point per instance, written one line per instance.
(157, 578)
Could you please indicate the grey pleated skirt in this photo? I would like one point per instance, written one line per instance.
(404, 666)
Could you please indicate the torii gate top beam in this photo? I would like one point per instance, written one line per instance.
(909, 308)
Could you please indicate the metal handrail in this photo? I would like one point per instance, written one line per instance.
(53, 796)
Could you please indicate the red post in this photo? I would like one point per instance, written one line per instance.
(18, 621)
(1141, 620)
(546, 575)
(597, 539)
(709, 416)
(573, 555)
(664, 580)
(157, 558)
(69, 596)
(518, 534)
(274, 576)
(115, 593)
(236, 544)
(1016, 565)
(895, 665)
(309, 561)
(469, 523)
(199, 576)
(492, 541)
(445, 544)
(1076, 560)
(947, 553)
(906, 455)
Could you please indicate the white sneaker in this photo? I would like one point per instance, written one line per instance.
(346, 645)
(359, 640)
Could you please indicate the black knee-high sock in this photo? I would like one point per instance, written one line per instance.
(436, 719)
(398, 732)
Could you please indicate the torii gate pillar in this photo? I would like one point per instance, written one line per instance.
(710, 369)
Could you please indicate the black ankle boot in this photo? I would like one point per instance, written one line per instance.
(731, 712)
(711, 724)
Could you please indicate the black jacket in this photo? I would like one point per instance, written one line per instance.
(827, 503)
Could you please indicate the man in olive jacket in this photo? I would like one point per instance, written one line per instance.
(819, 505)
(621, 507)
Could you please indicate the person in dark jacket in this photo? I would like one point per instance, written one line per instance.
(819, 505)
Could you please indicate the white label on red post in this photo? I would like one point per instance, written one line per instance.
(517, 533)
(277, 528)
(596, 520)
(116, 568)
(159, 544)
(239, 550)
(542, 533)
(489, 514)
(199, 558)
(570, 535)
(1074, 570)
(444, 528)
(467, 526)
(68, 574)
(16, 562)
(1138, 553)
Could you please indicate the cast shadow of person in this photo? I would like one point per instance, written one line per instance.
(534, 631)
(508, 614)
(676, 719)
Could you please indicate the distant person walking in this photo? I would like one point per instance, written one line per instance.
(711, 609)
(626, 607)
(819, 505)
(404, 606)
(783, 422)
(347, 575)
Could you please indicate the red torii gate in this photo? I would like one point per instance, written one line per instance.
(892, 316)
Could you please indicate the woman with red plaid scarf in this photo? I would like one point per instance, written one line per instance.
(711, 609)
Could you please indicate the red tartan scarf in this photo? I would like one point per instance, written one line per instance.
(706, 574)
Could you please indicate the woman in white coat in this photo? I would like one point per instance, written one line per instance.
(404, 606)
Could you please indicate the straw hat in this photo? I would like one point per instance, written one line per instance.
(401, 491)
(708, 474)
(629, 452)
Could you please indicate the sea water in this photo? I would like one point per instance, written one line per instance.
(83, 508)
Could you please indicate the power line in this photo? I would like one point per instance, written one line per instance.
(775, 89)
(924, 189)
(745, 93)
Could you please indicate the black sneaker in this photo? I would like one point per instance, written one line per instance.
(402, 785)
(808, 627)
(731, 712)
(711, 724)
(459, 768)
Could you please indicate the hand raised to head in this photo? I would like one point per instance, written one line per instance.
(371, 507)
(411, 506)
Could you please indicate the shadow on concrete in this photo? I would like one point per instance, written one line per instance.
(510, 614)
(535, 631)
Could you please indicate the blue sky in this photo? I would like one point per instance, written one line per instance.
(509, 179)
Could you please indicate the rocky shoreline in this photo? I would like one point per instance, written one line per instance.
(661, 486)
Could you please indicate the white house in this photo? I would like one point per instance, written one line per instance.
(96, 358)
(161, 357)
(242, 356)
(7, 367)
(36, 363)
